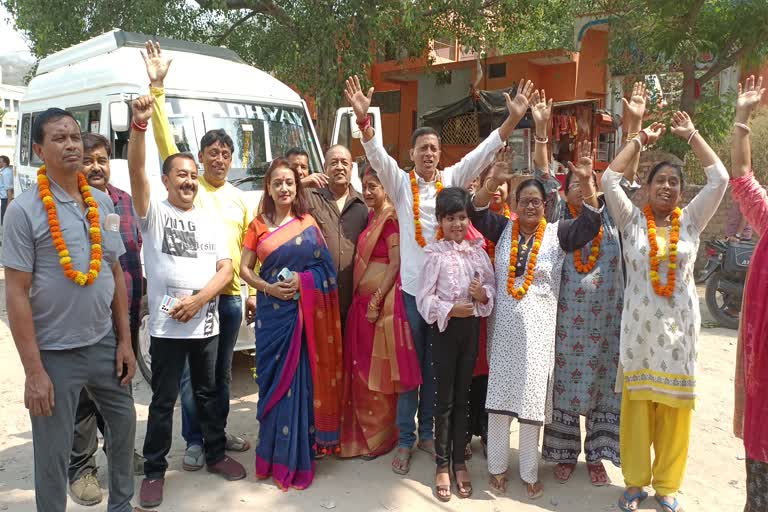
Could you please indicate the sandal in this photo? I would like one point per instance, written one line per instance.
(534, 491)
(564, 472)
(463, 487)
(468, 452)
(401, 463)
(628, 499)
(442, 488)
(597, 475)
(498, 483)
(669, 507)
(427, 446)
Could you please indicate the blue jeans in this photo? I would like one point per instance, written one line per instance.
(230, 316)
(422, 399)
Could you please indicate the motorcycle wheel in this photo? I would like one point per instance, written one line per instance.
(717, 303)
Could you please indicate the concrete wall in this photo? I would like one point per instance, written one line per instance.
(433, 95)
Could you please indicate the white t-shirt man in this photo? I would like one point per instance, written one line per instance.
(181, 251)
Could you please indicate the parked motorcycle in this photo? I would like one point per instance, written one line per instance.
(725, 274)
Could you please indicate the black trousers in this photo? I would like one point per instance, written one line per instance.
(454, 353)
(168, 358)
(478, 417)
(3, 206)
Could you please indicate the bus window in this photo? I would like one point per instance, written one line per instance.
(88, 117)
(25, 144)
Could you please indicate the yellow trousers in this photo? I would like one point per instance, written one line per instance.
(644, 424)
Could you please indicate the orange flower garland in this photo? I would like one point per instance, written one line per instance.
(80, 278)
(586, 268)
(519, 293)
(674, 238)
(416, 221)
(490, 247)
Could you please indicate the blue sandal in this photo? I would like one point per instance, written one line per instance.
(629, 499)
(674, 507)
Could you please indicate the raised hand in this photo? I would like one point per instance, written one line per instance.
(682, 126)
(142, 109)
(634, 109)
(518, 106)
(583, 167)
(654, 132)
(541, 108)
(358, 100)
(749, 98)
(501, 169)
(157, 63)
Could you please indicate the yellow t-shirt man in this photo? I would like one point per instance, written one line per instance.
(227, 201)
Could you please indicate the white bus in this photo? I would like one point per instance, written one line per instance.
(207, 88)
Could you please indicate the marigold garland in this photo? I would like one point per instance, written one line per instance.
(519, 293)
(490, 247)
(674, 238)
(581, 267)
(65, 260)
(416, 220)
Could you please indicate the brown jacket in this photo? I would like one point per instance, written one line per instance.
(341, 231)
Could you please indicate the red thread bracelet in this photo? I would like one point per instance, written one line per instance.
(364, 125)
(139, 127)
(641, 134)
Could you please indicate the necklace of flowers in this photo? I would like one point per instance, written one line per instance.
(581, 267)
(490, 247)
(674, 238)
(416, 220)
(92, 213)
(519, 293)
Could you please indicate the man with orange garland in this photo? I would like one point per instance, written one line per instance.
(61, 240)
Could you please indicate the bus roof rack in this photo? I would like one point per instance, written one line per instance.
(117, 38)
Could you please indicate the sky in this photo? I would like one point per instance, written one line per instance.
(12, 41)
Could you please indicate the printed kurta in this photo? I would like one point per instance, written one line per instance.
(659, 334)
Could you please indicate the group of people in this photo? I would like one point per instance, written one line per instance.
(461, 299)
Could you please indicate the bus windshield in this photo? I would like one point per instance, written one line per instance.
(260, 134)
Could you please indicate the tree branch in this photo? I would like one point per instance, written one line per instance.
(690, 19)
(222, 37)
(725, 63)
(267, 7)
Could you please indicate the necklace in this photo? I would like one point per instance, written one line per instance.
(92, 213)
(519, 293)
(674, 238)
(581, 267)
(416, 215)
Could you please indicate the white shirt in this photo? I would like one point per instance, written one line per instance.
(397, 184)
(181, 251)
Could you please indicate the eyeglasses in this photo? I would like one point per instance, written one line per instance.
(535, 202)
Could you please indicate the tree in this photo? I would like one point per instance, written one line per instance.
(697, 38)
(311, 44)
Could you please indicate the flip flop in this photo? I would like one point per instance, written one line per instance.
(403, 459)
(498, 483)
(631, 498)
(595, 472)
(674, 507)
(534, 491)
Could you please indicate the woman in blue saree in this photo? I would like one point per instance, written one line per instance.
(298, 332)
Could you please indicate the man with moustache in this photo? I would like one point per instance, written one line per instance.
(83, 485)
(342, 215)
(298, 159)
(68, 313)
(187, 264)
(228, 206)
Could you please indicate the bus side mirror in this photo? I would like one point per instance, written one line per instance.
(119, 116)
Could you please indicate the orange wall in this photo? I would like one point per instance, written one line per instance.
(591, 79)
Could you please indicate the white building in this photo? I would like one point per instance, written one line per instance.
(10, 96)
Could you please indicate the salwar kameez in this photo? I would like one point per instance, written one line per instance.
(658, 337)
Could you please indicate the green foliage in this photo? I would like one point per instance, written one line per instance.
(311, 44)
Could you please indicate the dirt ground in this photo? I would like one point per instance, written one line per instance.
(714, 481)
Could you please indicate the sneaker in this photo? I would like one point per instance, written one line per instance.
(86, 490)
(229, 468)
(194, 458)
(138, 464)
(237, 444)
(151, 494)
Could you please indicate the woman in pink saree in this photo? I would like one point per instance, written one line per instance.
(379, 357)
